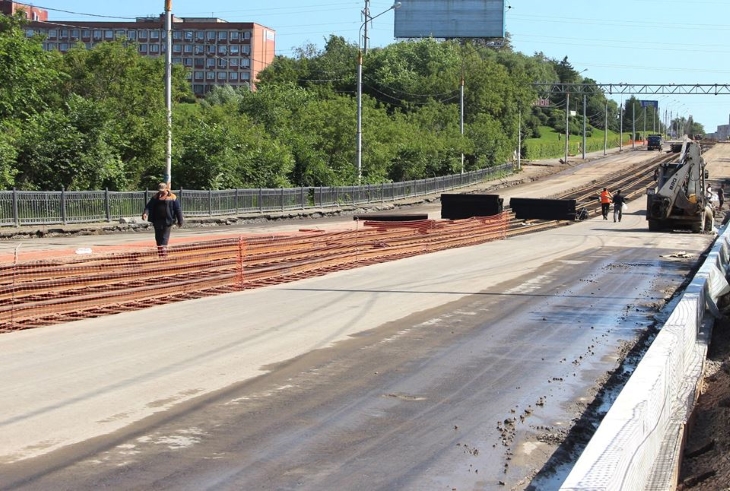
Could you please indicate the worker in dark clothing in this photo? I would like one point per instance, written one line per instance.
(618, 203)
(163, 210)
(721, 195)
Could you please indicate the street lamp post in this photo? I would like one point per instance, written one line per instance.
(359, 85)
(168, 91)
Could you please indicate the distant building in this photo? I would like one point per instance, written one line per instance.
(722, 133)
(214, 51)
(31, 13)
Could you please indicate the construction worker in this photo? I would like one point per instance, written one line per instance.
(606, 200)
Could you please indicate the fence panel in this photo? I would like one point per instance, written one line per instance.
(53, 207)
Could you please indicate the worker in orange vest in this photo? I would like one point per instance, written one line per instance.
(606, 199)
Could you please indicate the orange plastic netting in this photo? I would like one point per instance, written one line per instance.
(47, 287)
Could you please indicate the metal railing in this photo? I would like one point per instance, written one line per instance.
(18, 208)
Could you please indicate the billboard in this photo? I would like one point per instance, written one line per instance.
(654, 104)
(450, 19)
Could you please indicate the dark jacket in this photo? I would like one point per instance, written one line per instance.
(618, 200)
(168, 205)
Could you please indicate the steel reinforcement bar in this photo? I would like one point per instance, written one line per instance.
(43, 292)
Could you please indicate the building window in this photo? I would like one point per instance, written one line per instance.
(199, 75)
(75, 33)
(154, 35)
(245, 76)
(85, 33)
(210, 62)
(199, 62)
(245, 62)
(246, 49)
(177, 35)
(222, 63)
(235, 36)
(210, 75)
(154, 49)
(189, 36)
(246, 34)
(132, 35)
(198, 89)
(188, 48)
(233, 76)
(89, 45)
(121, 33)
(176, 49)
(108, 34)
(234, 62)
(210, 49)
(222, 49)
(199, 50)
(199, 36)
(222, 35)
(64, 34)
(29, 33)
(210, 35)
(143, 48)
(177, 61)
(52, 33)
(143, 34)
(222, 76)
(235, 49)
(63, 47)
(188, 62)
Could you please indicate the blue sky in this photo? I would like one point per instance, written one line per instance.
(618, 41)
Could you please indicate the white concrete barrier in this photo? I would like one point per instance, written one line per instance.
(637, 445)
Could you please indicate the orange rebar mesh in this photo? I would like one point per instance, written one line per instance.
(65, 286)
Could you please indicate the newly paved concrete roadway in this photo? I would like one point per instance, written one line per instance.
(453, 370)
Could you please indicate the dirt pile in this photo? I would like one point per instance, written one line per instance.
(706, 462)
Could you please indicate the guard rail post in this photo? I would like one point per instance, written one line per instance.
(63, 205)
(210, 202)
(16, 217)
(261, 200)
(107, 206)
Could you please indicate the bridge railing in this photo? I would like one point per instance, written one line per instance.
(18, 208)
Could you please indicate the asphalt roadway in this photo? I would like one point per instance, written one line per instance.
(462, 369)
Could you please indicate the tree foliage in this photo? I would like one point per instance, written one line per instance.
(96, 118)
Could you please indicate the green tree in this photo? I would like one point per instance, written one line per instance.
(28, 74)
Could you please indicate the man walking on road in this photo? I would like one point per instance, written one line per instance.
(605, 203)
(618, 204)
(163, 210)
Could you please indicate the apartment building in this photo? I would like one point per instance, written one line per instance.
(214, 51)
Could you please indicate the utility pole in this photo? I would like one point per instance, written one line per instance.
(584, 127)
(605, 129)
(621, 126)
(633, 124)
(366, 15)
(567, 124)
(168, 91)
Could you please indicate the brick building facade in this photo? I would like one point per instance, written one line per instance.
(213, 51)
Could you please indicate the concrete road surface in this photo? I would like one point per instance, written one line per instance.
(462, 369)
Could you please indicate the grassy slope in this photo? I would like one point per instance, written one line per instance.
(552, 145)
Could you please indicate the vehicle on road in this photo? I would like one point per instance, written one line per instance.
(678, 199)
(654, 142)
